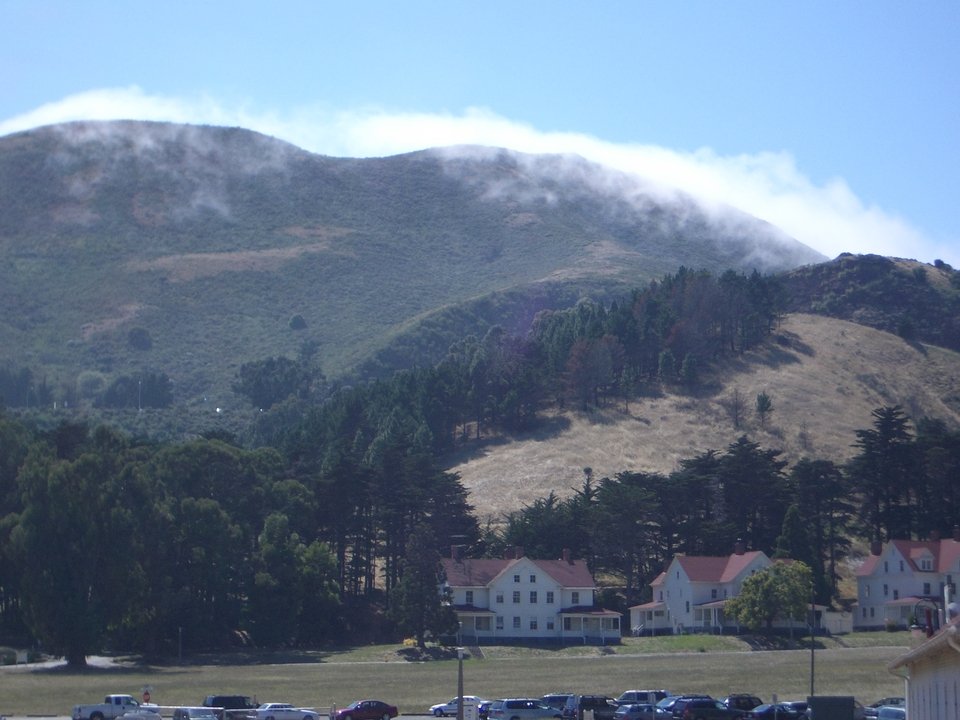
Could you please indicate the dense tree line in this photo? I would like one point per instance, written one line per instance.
(108, 540)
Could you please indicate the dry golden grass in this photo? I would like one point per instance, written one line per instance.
(824, 376)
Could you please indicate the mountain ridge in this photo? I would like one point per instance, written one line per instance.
(211, 240)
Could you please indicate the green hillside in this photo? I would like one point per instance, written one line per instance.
(184, 250)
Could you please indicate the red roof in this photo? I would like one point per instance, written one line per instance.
(705, 568)
(945, 555)
(480, 572)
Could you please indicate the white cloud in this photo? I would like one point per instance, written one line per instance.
(829, 217)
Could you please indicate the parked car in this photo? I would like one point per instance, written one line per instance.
(194, 713)
(741, 701)
(891, 712)
(556, 700)
(450, 706)
(637, 711)
(232, 707)
(366, 710)
(780, 711)
(142, 713)
(603, 707)
(667, 704)
(284, 711)
(642, 696)
(872, 710)
(704, 709)
(521, 709)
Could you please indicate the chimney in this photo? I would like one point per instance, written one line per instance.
(739, 548)
(876, 547)
(518, 551)
(565, 556)
(508, 553)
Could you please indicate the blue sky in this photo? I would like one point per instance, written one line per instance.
(838, 121)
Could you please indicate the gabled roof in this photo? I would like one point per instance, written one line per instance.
(480, 572)
(717, 569)
(945, 554)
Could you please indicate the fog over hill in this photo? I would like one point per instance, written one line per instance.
(208, 241)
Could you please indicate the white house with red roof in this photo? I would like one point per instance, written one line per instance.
(902, 580)
(690, 594)
(931, 674)
(518, 598)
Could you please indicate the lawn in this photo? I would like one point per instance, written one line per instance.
(854, 665)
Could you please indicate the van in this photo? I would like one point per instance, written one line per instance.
(645, 697)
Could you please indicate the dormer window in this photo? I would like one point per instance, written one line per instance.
(926, 564)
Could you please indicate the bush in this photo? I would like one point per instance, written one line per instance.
(298, 323)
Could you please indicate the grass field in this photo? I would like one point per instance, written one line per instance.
(853, 665)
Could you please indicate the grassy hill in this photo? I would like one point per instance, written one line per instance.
(206, 242)
(824, 375)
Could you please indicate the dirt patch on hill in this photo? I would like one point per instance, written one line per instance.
(825, 377)
(192, 266)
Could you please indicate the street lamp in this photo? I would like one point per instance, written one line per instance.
(459, 683)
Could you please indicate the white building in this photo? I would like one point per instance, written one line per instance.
(521, 599)
(690, 594)
(903, 579)
(931, 673)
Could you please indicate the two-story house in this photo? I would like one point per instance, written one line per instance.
(902, 579)
(521, 599)
(690, 594)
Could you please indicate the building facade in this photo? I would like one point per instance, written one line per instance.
(689, 596)
(520, 599)
(902, 582)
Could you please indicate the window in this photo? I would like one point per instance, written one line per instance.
(533, 578)
(549, 597)
(516, 622)
(575, 597)
(516, 596)
(533, 623)
(713, 594)
(896, 594)
(483, 623)
(469, 597)
(866, 591)
(886, 590)
(926, 588)
(886, 566)
(500, 597)
(533, 597)
(926, 564)
(549, 624)
(901, 566)
(864, 612)
(568, 623)
(500, 621)
(610, 623)
(516, 578)
(871, 612)
(688, 606)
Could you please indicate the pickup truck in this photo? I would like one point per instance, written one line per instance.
(112, 707)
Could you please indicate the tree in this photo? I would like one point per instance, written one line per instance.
(764, 408)
(781, 591)
(416, 603)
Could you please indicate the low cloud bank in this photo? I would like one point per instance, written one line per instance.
(828, 217)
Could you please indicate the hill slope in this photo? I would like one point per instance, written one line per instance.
(824, 375)
(207, 241)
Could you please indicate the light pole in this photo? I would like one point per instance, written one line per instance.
(459, 683)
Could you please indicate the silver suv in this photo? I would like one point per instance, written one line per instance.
(521, 709)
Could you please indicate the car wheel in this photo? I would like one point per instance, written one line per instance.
(438, 713)
(96, 716)
(308, 717)
(386, 716)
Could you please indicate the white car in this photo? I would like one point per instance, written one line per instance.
(450, 707)
(284, 711)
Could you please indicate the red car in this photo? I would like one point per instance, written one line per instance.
(367, 710)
